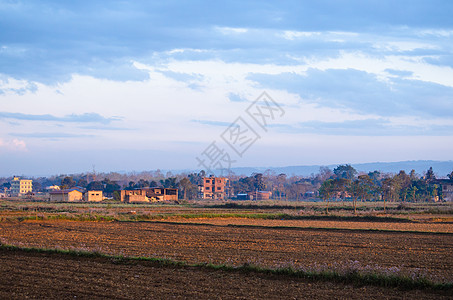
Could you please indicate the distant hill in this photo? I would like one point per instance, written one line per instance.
(441, 168)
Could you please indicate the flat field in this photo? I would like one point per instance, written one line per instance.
(421, 247)
(53, 276)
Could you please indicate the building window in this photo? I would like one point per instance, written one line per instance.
(208, 188)
(207, 181)
(218, 188)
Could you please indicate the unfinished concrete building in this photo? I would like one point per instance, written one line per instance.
(146, 195)
(215, 188)
(69, 195)
(93, 196)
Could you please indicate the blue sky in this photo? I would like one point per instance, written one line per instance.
(140, 85)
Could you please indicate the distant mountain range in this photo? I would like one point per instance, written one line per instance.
(441, 168)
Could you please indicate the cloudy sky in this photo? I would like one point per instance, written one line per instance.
(141, 85)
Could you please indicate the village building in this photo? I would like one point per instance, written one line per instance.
(93, 196)
(21, 187)
(257, 195)
(242, 196)
(261, 195)
(68, 195)
(215, 188)
(447, 188)
(51, 188)
(149, 195)
(133, 196)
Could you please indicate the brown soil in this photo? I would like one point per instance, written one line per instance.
(56, 276)
(432, 253)
(419, 227)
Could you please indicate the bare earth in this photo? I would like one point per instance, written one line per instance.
(274, 247)
(55, 276)
(391, 226)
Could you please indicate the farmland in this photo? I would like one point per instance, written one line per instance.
(417, 243)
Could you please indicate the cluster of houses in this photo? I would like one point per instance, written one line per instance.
(215, 188)
(212, 188)
(24, 187)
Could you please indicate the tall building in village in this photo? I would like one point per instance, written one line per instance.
(215, 187)
(20, 187)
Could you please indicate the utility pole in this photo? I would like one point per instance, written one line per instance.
(94, 172)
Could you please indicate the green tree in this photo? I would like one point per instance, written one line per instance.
(110, 187)
(117, 195)
(340, 186)
(434, 191)
(367, 187)
(187, 186)
(389, 190)
(430, 175)
(281, 182)
(37, 187)
(361, 188)
(130, 186)
(82, 182)
(403, 181)
(345, 171)
(375, 176)
(450, 176)
(153, 183)
(142, 184)
(95, 186)
(259, 184)
(413, 193)
(326, 191)
(169, 182)
(355, 192)
(67, 183)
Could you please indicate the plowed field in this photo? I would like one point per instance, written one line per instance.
(54, 276)
(445, 227)
(194, 243)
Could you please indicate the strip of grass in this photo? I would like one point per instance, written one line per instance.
(275, 216)
(301, 228)
(357, 278)
(79, 217)
(261, 216)
(413, 208)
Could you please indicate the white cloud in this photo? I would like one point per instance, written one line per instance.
(231, 30)
(13, 145)
(402, 46)
(292, 35)
(158, 112)
(378, 65)
(435, 32)
(177, 51)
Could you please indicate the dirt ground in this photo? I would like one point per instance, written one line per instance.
(56, 276)
(194, 243)
(392, 226)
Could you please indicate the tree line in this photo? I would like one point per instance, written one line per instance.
(401, 187)
(342, 183)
